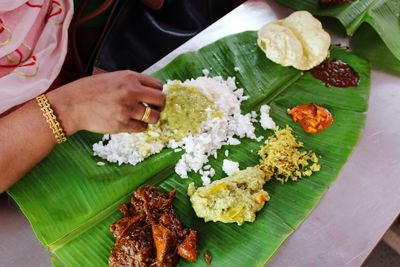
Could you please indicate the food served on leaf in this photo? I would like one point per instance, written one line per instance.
(298, 40)
(186, 102)
(201, 115)
(334, 2)
(237, 198)
(150, 234)
(265, 120)
(282, 158)
(234, 199)
(335, 73)
(313, 118)
(230, 167)
(89, 186)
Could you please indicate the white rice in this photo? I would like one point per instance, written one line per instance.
(206, 72)
(260, 138)
(214, 132)
(265, 120)
(230, 167)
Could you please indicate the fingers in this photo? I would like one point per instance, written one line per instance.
(138, 110)
(132, 126)
(143, 79)
(150, 81)
(137, 90)
(145, 89)
(152, 97)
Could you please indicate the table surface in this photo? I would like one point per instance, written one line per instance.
(352, 216)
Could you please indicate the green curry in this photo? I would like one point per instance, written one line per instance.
(185, 111)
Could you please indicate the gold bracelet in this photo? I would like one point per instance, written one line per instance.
(51, 119)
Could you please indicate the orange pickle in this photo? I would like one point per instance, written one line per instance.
(312, 118)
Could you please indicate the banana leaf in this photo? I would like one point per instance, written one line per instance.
(71, 202)
(375, 24)
(367, 43)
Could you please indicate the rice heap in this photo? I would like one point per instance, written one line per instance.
(200, 129)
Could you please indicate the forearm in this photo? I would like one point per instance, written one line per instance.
(104, 103)
(25, 139)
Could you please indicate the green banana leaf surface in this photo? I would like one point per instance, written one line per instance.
(374, 24)
(71, 201)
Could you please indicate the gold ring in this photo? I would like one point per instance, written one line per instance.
(146, 115)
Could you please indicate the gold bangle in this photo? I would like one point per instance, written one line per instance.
(51, 119)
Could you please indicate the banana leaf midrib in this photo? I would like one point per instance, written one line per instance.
(266, 259)
(280, 88)
(353, 26)
(114, 206)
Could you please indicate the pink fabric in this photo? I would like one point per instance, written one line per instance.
(33, 46)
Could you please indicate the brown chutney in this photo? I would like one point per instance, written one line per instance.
(335, 73)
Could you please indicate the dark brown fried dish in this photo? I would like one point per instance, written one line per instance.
(150, 234)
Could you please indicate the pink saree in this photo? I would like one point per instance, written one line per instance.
(33, 46)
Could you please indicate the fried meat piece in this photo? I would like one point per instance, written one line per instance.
(150, 234)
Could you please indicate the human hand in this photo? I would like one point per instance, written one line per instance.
(108, 103)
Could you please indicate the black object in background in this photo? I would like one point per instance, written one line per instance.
(138, 37)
